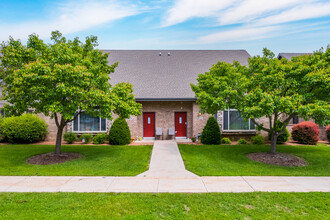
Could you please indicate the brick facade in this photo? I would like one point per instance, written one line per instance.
(164, 112)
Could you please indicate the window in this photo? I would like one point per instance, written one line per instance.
(295, 119)
(88, 123)
(232, 121)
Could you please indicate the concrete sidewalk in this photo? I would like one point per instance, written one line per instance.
(166, 161)
(158, 185)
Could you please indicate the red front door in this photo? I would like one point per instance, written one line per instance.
(181, 124)
(149, 124)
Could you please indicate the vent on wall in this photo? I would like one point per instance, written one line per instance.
(160, 53)
(168, 54)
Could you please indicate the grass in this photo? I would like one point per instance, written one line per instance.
(255, 205)
(98, 160)
(231, 160)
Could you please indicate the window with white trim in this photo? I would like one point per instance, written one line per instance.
(88, 123)
(232, 121)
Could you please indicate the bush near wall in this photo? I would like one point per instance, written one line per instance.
(211, 132)
(99, 138)
(306, 133)
(328, 132)
(258, 139)
(242, 141)
(70, 137)
(119, 133)
(282, 138)
(23, 129)
(225, 141)
(87, 138)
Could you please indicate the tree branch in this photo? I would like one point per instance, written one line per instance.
(256, 123)
(74, 118)
(285, 123)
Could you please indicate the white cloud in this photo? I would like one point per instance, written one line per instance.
(249, 19)
(72, 17)
(187, 9)
(243, 11)
(299, 13)
(243, 34)
(248, 10)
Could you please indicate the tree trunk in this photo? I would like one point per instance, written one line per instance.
(59, 140)
(273, 144)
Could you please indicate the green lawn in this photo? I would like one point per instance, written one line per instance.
(98, 160)
(165, 206)
(231, 160)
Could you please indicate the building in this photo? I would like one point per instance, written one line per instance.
(161, 81)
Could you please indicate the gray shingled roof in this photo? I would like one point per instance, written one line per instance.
(290, 55)
(164, 77)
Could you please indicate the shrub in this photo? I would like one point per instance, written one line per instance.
(211, 132)
(100, 138)
(193, 139)
(119, 133)
(23, 129)
(70, 137)
(305, 133)
(258, 139)
(282, 138)
(87, 138)
(225, 141)
(242, 141)
(328, 132)
(2, 138)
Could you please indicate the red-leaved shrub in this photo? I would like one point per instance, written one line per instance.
(305, 133)
(328, 132)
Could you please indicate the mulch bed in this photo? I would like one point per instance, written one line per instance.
(52, 158)
(280, 159)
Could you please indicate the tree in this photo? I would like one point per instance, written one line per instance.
(124, 100)
(60, 80)
(268, 87)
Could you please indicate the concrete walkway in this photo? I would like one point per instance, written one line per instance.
(166, 161)
(166, 173)
(157, 185)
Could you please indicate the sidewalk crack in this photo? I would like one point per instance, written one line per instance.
(248, 183)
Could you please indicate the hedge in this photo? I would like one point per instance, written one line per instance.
(328, 132)
(70, 137)
(100, 138)
(306, 133)
(119, 133)
(211, 132)
(23, 129)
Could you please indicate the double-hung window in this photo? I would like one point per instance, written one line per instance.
(88, 123)
(232, 121)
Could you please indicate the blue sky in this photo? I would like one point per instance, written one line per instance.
(280, 25)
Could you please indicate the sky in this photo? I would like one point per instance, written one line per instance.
(279, 25)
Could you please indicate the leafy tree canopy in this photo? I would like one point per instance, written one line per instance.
(124, 100)
(269, 87)
(58, 79)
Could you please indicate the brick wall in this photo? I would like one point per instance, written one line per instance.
(164, 112)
